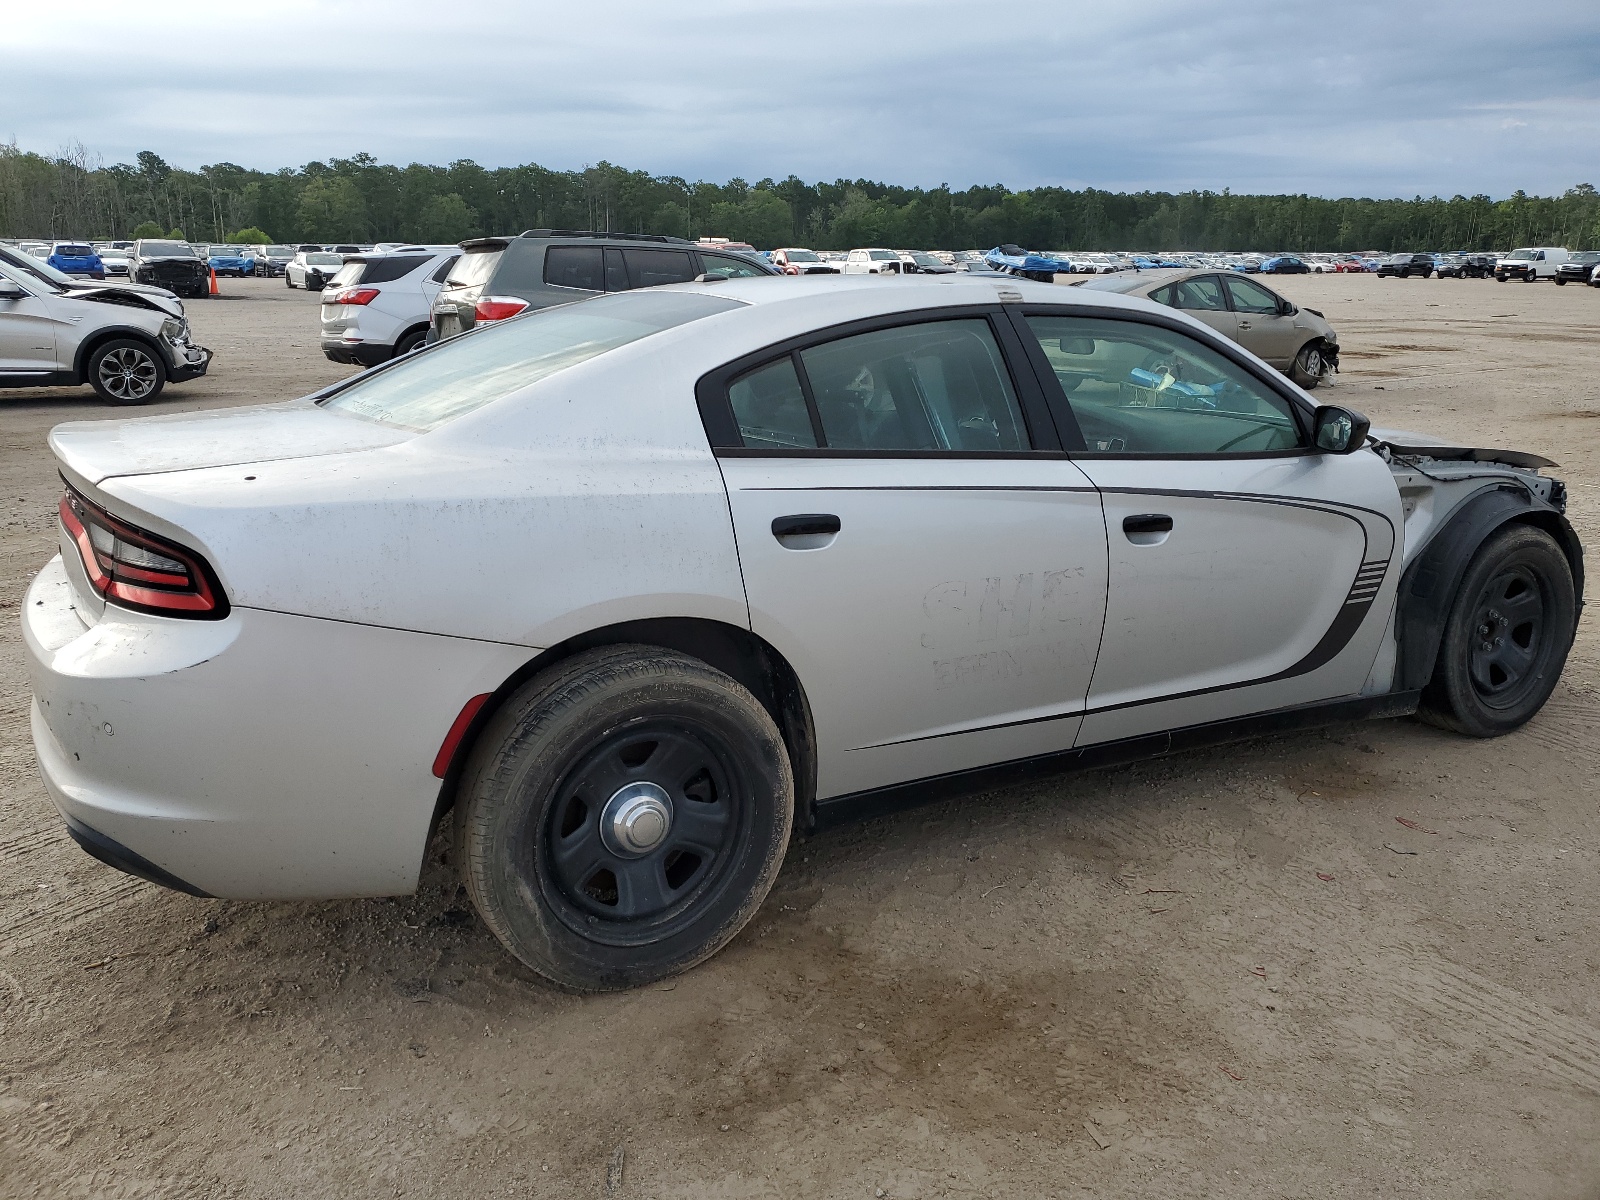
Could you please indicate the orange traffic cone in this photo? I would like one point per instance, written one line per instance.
(214, 290)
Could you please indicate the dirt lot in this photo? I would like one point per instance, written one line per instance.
(1225, 973)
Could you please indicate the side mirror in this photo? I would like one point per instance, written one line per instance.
(1339, 430)
(10, 291)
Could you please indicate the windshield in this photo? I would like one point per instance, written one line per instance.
(926, 260)
(166, 249)
(226, 251)
(1586, 256)
(1520, 256)
(279, 252)
(324, 260)
(36, 267)
(799, 256)
(17, 274)
(491, 362)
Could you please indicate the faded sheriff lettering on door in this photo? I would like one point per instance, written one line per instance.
(1023, 626)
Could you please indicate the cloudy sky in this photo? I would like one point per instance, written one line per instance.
(1332, 97)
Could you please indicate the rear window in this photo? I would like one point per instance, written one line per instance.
(348, 275)
(74, 251)
(465, 373)
(575, 267)
(324, 260)
(473, 268)
(387, 270)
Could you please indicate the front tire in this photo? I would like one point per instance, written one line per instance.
(1309, 366)
(616, 735)
(1506, 638)
(126, 371)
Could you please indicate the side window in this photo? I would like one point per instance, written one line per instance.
(770, 407)
(1203, 292)
(937, 386)
(616, 271)
(1252, 298)
(443, 271)
(574, 267)
(648, 268)
(733, 268)
(1140, 389)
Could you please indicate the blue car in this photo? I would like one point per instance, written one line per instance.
(76, 258)
(232, 260)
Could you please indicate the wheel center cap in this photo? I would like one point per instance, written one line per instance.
(636, 819)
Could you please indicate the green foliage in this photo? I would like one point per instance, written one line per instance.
(360, 199)
(146, 229)
(177, 235)
(248, 236)
(446, 219)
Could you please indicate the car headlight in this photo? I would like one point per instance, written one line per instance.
(173, 329)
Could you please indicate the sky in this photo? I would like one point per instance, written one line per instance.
(1332, 98)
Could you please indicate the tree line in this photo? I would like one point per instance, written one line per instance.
(74, 194)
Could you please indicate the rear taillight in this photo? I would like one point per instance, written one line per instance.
(351, 296)
(497, 308)
(137, 569)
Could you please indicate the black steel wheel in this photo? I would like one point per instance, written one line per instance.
(623, 816)
(126, 371)
(1506, 638)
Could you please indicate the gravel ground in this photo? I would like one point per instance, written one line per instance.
(1233, 972)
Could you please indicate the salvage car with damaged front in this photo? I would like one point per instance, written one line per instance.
(171, 265)
(628, 589)
(126, 343)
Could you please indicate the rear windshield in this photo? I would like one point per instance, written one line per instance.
(166, 249)
(74, 251)
(324, 260)
(379, 270)
(473, 268)
(478, 368)
(347, 275)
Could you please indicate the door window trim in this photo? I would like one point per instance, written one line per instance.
(722, 428)
(1061, 408)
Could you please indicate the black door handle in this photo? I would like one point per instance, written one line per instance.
(1147, 523)
(803, 523)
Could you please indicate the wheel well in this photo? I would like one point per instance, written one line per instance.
(80, 368)
(735, 652)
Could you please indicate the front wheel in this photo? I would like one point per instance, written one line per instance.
(126, 371)
(623, 816)
(1506, 638)
(1560, 282)
(1309, 366)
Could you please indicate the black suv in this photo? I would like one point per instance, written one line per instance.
(497, 278)
(172, 265)
(1404, 265)
(1579, 267)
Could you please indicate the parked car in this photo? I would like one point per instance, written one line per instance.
(496, 278)
(76, 258)
(114, 261)
(1297, 341)
(1579, 266)
(596, 585)
(1450, 266)
(920, 262)
(376, 307)
(1351, 266)
(126, 344)
(1403, 266)
(792, 260)
(872, 261)
(238, 261)
(1530, 263)
(1284, 264)
(168, 264)
(271, 260)
(344, 249)
(311, 269)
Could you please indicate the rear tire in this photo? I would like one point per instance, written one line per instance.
(410, 342)
(1506, 638)
(541, 803)
(126, 371)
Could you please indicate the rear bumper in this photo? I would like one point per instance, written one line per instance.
(261, 756)
(362, 354)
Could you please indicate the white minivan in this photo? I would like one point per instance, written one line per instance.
(1530, 263)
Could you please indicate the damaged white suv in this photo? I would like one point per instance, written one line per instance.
(127, 343)
(635, 585)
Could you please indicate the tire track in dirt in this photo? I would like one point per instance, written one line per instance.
(84, 904)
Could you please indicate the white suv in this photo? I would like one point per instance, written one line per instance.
(376, 307)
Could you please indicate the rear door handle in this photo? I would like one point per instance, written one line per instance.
(1147, 523)
(803, 524)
